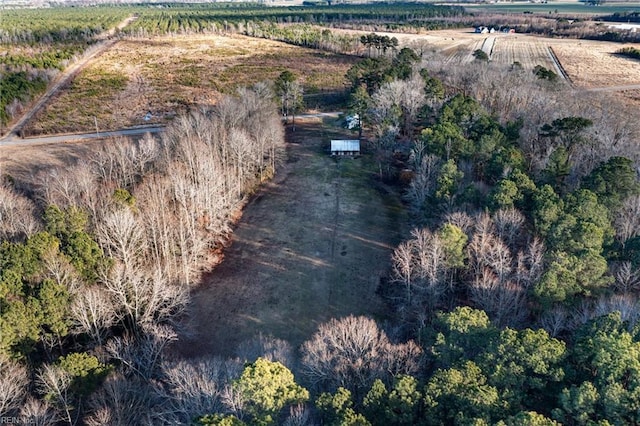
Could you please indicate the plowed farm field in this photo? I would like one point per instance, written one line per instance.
(588, 64)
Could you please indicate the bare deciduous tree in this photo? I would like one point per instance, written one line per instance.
(352, 352)
(121, 401)
(462, 220)
(54, 383)
(400, 101)
(191, 389)
(627, 277)
(509, 224)
(75, 186)
(431, 268)
(267, 347)
(627, 304)
(13, 385)
(234, 401)
(58, 268)
(141, 355)
(117, 163)
(17, 219)
(627, 219)
(423, 184)
(500, 277)
(555, 320)
(37, 412)
(122, 237)
(404, 265)
(92, 313)
(143, 300)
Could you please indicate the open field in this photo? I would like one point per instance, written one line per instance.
(311, 246)
(592, 64)
(589, 64)
(165, 75)
(554, 7)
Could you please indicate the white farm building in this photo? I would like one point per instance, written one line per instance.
(345, 147)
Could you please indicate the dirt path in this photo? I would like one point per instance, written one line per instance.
(311, 246)
(66, 76)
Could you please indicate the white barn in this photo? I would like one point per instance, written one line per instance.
(345, 147)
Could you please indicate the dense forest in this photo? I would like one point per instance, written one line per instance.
(514, 301)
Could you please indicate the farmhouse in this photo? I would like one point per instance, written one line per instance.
(345, 147)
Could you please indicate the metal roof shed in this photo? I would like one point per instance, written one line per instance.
(345, 147)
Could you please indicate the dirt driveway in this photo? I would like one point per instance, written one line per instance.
(312, 245)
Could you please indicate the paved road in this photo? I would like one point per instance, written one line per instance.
(78, 137)
(13, 140)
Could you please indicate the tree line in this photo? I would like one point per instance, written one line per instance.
(193, 18)
(98, 258)
(514, 300)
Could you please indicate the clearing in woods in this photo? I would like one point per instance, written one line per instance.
(149, 81)
(312, 245)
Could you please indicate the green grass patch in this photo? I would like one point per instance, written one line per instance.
(98, 84)
(629, 52)
(190, 76)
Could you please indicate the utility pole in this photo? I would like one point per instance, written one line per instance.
(95, 119)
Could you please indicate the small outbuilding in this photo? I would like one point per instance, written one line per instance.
(345, 147)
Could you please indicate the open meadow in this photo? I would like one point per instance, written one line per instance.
(313, 245)
(166, 75)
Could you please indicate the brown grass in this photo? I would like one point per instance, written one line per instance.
(311, 246)
(589, 64)
(592, 64)
(166, 75)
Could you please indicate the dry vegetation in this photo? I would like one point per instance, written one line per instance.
(311, 246)
(590, 64)
(316, 242)
(165, 75)
(593, 64)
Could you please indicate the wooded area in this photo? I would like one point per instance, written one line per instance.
(513, 301)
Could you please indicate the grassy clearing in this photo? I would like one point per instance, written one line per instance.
(84, 101)
(312, 245)
(166, 75)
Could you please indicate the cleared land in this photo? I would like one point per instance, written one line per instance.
(555, 7)
(147, 81)
(311, 246)
(163, 76)
(593, 64)
(589, 64)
